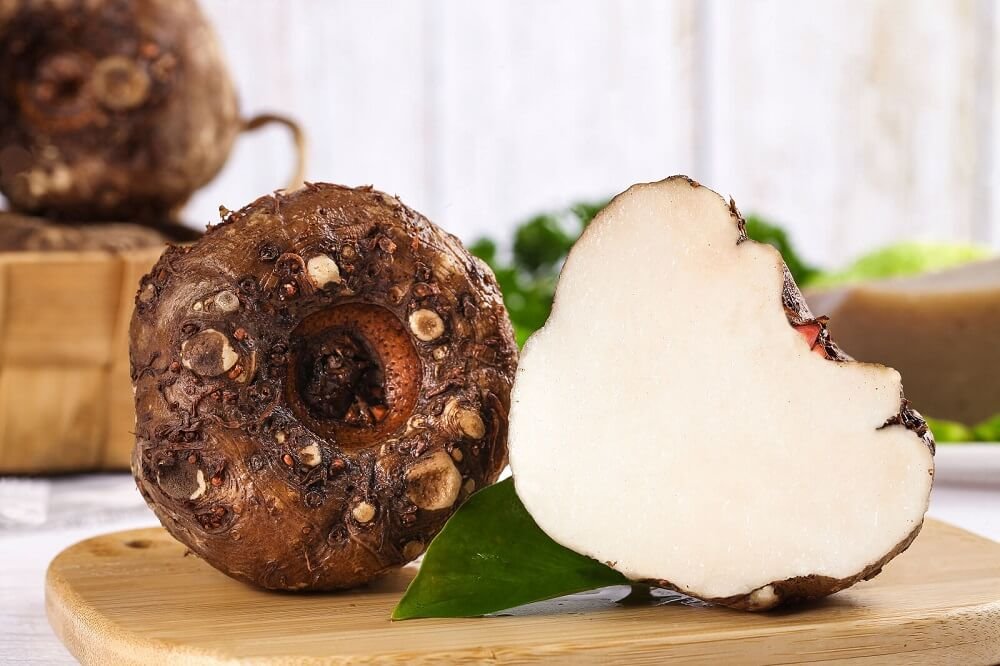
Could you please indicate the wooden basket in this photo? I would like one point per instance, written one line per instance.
(65, 393)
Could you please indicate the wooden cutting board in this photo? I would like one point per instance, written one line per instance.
(135, 598)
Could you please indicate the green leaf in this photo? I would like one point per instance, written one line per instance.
(491, 556)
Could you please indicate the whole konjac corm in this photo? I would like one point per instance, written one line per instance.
(320, 381)
(110, 109)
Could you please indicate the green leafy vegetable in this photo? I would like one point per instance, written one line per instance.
(491, 556)
(528, 279)
(950, 432)
(541, 244)
(900, 260)
(765, 232)
(988, 430)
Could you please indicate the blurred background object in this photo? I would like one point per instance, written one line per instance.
(112, 112)
(851, 124)
(111, 109)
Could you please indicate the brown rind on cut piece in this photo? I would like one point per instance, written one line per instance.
(110, 109)
(807, 588)
(320, 382)
(800, 588)
(804, 588)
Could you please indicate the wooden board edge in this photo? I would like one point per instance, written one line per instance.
(92, 638)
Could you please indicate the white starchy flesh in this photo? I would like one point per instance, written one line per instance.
(669, 421)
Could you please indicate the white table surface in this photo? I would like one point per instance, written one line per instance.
(40, 517)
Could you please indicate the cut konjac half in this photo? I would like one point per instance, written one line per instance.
(683, 417)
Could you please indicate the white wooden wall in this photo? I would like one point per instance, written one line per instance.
(852, 123)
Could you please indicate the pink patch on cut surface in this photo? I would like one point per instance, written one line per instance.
(811, 333)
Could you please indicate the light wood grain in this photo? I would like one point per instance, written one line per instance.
(477, 114)
(539, 104)
(134, 597)
(65, 391)
(355, 77)
(853, 125)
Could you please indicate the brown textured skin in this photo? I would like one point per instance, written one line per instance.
(805, 588)
(22, 233)
(275, 512)
(110, 109)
